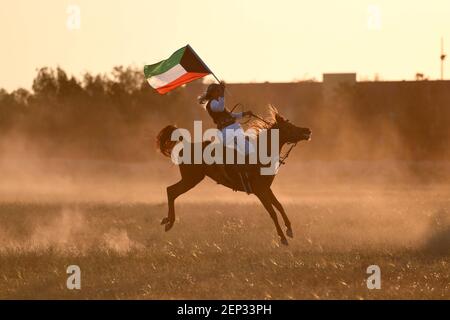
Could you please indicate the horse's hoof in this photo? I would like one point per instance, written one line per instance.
(289, 233)
(168, 226)
(165, 221)
(284, 241)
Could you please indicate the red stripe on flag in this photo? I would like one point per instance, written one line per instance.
(188, 77)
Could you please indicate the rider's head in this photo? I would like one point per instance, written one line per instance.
(214, 91)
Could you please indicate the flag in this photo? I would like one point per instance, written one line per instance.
(181, 67)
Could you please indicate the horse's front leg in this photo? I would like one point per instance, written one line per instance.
(280, 208)
(265, 198)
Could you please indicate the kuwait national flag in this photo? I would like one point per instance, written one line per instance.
(182, 67)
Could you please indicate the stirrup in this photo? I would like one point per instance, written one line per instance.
(246, 183)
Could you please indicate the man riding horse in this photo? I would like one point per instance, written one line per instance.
(229, 128)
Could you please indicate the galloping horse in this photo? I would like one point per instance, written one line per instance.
(192, 174)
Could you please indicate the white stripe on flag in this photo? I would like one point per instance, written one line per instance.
(169, 76)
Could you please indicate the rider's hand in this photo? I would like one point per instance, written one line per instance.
(222, 88)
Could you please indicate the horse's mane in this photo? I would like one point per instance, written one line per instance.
(258, 125)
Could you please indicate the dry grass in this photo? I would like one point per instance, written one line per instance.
(229, 250)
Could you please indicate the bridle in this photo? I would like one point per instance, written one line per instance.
(286, 155)
(291, 144)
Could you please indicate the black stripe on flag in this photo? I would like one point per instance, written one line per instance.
(192, 63)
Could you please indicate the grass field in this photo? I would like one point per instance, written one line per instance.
(229, 249)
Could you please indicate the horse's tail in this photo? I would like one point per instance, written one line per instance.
(163, 141)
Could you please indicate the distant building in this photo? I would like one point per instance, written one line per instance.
(332, 81)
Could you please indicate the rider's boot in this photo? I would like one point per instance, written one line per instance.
(245, 182)
(227, 176)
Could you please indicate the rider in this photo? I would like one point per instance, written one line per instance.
(226, 121)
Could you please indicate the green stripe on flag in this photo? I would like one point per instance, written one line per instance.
(165, 65)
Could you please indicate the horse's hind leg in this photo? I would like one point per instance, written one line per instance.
(175, 191)
(280, 208)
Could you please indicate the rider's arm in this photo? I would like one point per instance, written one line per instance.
(219, 106)
(237, 115)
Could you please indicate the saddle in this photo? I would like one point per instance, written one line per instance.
(240, 175)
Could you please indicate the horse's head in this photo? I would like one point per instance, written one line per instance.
(288, 131)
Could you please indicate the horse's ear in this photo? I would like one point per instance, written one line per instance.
(273, 112)
(279, 118)
(275, 115)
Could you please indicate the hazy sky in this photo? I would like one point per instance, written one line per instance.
(240, 40)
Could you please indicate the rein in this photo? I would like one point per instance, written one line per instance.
(259, 118)
(237, 104)
(286, 155)
(253, 115)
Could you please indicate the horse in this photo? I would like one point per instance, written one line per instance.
(192, 174)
